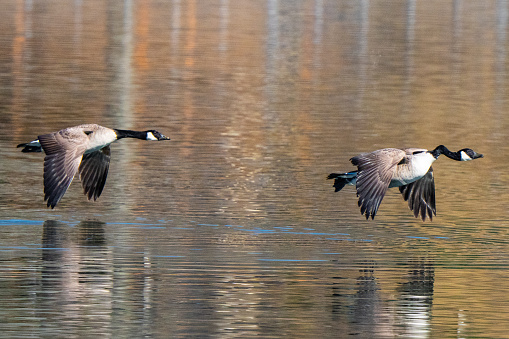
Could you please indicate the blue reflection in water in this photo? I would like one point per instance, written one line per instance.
(292, 260)
(20, 222)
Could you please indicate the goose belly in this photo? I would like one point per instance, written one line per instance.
(99, 139)
(412, 171)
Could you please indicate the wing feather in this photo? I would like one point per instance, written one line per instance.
(420, 195)
(93, 172)
(375, 171)
(60, 165)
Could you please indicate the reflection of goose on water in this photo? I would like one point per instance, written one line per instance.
(84, 149)
(409, 169)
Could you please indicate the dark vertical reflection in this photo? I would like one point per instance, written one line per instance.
(53, 239)
(416, 299)
(367, 308)
(83, 282)
(91, 233)
(76, 278)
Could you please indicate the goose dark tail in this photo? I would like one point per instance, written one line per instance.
(30, 147)
(342, 179)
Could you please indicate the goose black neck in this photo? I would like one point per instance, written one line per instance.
(125, 133)
(443, 150)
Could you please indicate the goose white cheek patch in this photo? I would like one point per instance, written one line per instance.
(150, 136)
(464, 156)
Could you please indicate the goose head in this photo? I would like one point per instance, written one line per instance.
(467, 154)
(156, 136)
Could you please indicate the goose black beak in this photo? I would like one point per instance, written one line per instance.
(159, 136)
(477, 155)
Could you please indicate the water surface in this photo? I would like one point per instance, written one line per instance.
(230, 229)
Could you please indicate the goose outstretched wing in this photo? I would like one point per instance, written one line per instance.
(376, 170)
(420, 195)
(61, 164)
(93, 172)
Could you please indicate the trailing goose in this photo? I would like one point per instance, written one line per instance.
(84, 149)
(409, 169)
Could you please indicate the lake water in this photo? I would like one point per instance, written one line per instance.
(231, 228)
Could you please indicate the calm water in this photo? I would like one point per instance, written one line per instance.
(230, 229)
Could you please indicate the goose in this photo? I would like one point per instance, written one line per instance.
(409, 169)
(84, 149)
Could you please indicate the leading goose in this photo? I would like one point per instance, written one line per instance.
(409, 169)
(84, 149)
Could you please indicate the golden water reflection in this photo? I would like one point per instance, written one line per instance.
(261, 100)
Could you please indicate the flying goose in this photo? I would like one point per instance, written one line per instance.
(409, 169)
(84, 149)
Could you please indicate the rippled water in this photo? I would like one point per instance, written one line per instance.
(231, 229)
